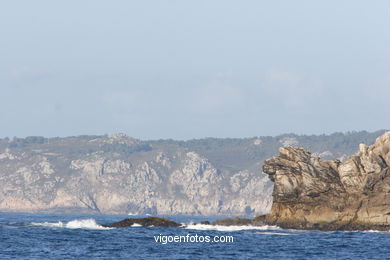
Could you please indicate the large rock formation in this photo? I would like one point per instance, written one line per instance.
(350, 195)
(120, 174)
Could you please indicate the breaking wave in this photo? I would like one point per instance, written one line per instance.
(73, 224)
(274, 233)
(376, 231)
(230, 228)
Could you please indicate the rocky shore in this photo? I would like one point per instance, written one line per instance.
(326, 195)
(331, 195)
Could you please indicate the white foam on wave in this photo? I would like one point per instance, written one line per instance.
(273, 233)
(73, 224)
(359, 231)
(376, 231)
(136, 225)
(229, 228)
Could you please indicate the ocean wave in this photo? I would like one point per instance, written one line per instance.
(229, 228)
(359, 231)
(376, 231)
(73, 224)
(274, 233)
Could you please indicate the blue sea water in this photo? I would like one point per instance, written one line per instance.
(69, 236)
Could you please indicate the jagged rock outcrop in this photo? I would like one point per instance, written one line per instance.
(331, 195)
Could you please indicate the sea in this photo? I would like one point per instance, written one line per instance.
(72, 236)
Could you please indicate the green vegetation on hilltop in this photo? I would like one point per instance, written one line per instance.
(232, 154)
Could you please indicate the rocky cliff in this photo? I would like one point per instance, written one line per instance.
(120, 174)
(330, 195)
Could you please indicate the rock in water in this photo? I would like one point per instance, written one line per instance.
(313, 194)
(149, 221)
(233, 222)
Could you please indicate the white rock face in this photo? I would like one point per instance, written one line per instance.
(7, 155)
(257, 141)
(121, 138)
(289, 141)
(162, 159)
(179, 183)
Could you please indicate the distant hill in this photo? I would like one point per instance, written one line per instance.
(120, 174)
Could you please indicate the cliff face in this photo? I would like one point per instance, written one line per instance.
(311, 193)
(119, 174)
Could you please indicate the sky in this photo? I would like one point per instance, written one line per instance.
(193, 69)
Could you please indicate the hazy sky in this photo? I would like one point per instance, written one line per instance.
(191, 69)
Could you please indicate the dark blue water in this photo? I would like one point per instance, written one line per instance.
(53, 236)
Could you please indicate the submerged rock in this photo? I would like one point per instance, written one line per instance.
(149, 221)
(330, 195)
(232, 222)
(237, 221)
